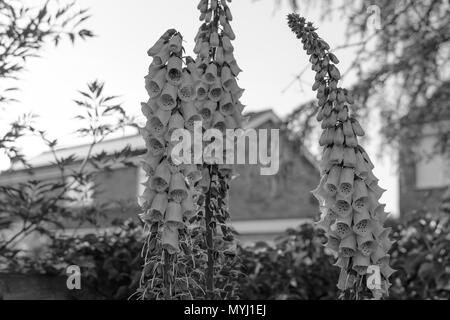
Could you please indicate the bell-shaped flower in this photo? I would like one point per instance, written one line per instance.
(159, 206)
(157, 124)
(210, 75)
(150, 162)
(169, 240)
(361, 168)
(229, 31)
(325, 162)
(214, 39)
(357, 128)
(333, 243)
(337, 154)
(149, 108)
(190, 115)
(187, 206)
(226, 105)
(230, 123)
(174, 70)
(160, 43)
(347, 128)
(168, 98)
(146, 198)
(192, 173)
(346, 181)
(177, 189)
(207, 109)
(360, 195)
(161, 179)
(175, 43)
(342, 205)
(349, 157)
(201, 90)
(155, 85)
(204, 184)
(215, 91)
(347, 246)
(155, 144)
(174, 216)
(227, 46)
(332, 182)
(219, 55)
(186, 91)
(162, 56)
(204, 50)
(176, 121)
(360, 263)
(343, 226)
(338, 137)
(366, 244)
(361, 222)
(351, 142)
(227, 78)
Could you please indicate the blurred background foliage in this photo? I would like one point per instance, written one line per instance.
(296, 266)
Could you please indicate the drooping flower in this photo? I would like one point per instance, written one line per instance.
(348, 193)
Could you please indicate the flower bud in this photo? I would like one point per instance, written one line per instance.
(227, 46)
(338, 137)
(216, 91)
(188, 207)
(357, 128)
(146, 199)
(337, 154)
(175, 43)
(218, 121)
(219, 55)
(192, 174)
(162, 56)
(342, 206)
(204, 183)
(214, 39)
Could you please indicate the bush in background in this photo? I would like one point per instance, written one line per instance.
(297, 267)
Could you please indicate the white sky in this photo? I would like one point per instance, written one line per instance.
(265, 49)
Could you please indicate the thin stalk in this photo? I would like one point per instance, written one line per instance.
(209, 240)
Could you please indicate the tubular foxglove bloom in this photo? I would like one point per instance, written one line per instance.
(348, 193)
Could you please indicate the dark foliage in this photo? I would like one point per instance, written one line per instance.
(296, 267)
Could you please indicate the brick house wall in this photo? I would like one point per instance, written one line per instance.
(285, 195)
